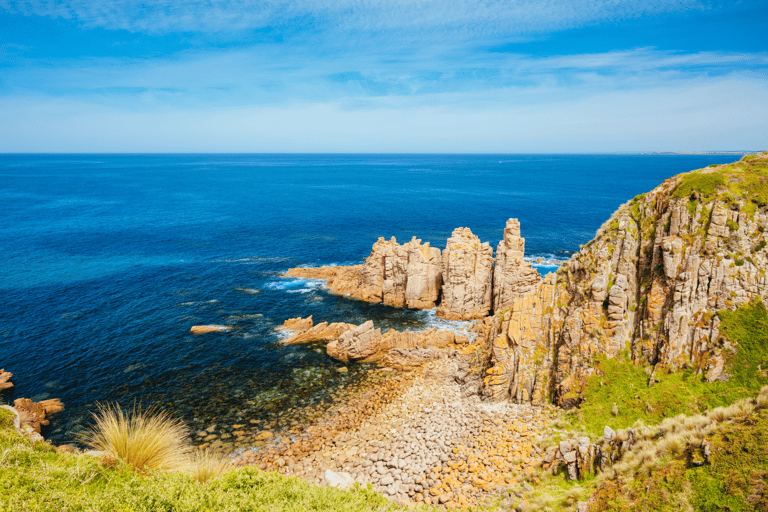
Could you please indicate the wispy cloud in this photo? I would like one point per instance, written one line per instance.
(470, 18)
(665, 117)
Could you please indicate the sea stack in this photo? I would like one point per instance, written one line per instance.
(467, 277)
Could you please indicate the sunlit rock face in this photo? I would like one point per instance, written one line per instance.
(467, 277)
(649, 283)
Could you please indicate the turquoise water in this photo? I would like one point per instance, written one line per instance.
(108, 260)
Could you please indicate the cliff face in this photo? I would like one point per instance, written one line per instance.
(649, 283)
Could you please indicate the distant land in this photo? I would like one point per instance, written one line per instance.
(744, 152)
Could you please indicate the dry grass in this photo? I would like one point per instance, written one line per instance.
(675, 435)
(144, 440)
(205, 465)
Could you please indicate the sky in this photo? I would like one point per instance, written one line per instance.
(383, 76)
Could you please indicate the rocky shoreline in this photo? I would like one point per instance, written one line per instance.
(417, 437)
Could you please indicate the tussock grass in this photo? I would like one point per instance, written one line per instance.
(35, 477)
(205, 465)
(144, 440)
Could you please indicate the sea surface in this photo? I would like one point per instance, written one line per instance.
(106, 261)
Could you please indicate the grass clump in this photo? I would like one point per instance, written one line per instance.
(705, 184)
(206, 465)
(144, 440)
(674, 393)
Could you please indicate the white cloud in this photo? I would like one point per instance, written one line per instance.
(473, 19)
(728, 112)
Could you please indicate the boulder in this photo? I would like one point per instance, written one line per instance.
(203, 329)
(359, 343)
(342, 480)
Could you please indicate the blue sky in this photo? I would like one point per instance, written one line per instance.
(383, 76)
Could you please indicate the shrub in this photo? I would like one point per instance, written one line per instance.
(145, 440)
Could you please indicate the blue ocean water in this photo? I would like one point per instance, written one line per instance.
(108, 260)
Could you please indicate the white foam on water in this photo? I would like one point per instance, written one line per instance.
(289, 284)
(459, 327)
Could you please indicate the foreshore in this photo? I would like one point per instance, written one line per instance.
(417, 439)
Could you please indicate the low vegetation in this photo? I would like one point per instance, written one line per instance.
(35, 477)
(745, 180)
(712, 461)
(145, 441)
(623, 387)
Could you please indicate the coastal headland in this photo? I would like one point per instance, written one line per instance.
(638, 362)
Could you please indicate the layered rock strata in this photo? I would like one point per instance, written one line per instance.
(467, 277)
(649, 284)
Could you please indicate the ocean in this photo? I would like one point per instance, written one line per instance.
(108, 260)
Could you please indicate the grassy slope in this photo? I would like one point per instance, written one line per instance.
(626, 385)
(735, 477)
(34, 477)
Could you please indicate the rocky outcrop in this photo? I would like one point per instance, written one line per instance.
(359, 343)
(320, 332)
(297, 324)
(366, 343)
(339, 280)
(513, 277)
(415, 275)
(203, 329)
(650, 284)
(34, 414)
(519, 346)
(408, 275)
(467, 277)
(5, 380)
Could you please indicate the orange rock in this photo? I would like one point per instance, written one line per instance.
(202, 329)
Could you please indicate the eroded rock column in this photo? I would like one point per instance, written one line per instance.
(467, 277)
(513, 277)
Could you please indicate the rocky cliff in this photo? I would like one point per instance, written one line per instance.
(462, 280)
(408, 275)
(467, 277)
(649, 283)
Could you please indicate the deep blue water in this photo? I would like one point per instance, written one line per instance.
(106, 261)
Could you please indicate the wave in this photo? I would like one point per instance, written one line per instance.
(296, 285)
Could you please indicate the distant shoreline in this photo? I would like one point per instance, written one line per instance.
(703, 152)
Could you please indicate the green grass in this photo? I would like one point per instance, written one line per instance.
(705, 184)
(746, 179)
(34, 477)
(626, 385)
(733, 479)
